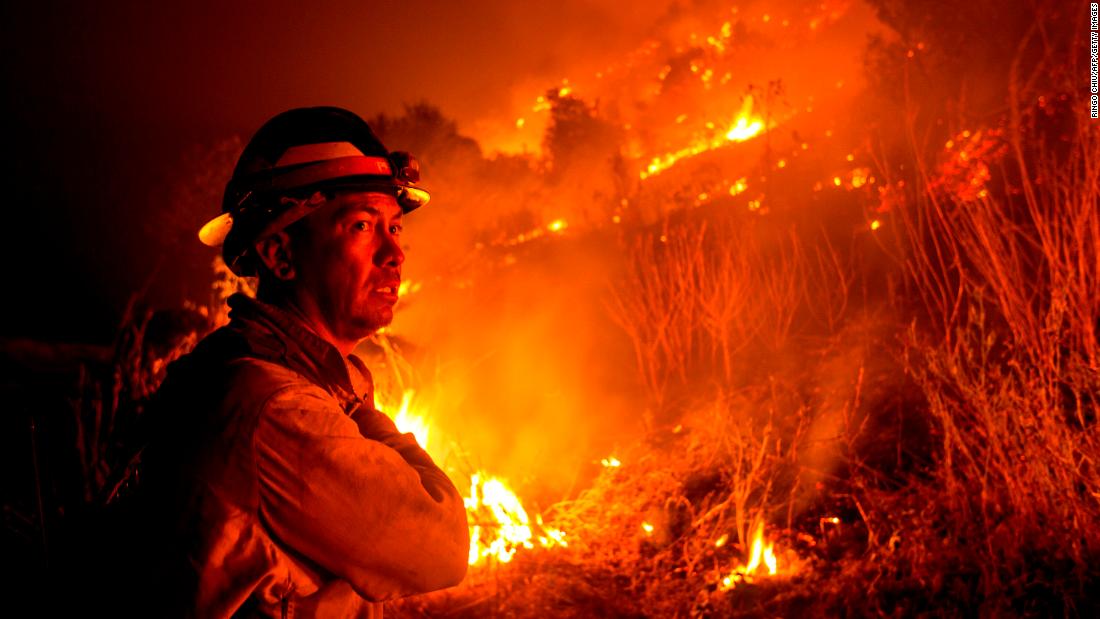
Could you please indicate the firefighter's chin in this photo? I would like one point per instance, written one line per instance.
(376, 316)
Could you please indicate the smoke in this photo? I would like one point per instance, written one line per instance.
(515, 259)
(521, 365)
(515, 357)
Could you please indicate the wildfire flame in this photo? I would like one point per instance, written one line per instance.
(762, 561)
(558, 226)
(493, 508)
(408, 422)
(499, 524)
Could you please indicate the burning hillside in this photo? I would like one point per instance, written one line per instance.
(789, 245)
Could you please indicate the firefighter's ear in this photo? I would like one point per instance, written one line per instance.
(273, 253)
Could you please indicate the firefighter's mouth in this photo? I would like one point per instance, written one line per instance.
(387, 289)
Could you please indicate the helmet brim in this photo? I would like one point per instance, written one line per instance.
(213, 232)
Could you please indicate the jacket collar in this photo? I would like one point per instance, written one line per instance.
(279, 336)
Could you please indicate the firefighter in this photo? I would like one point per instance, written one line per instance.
(285, 491)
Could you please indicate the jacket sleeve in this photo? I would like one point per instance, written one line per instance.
(375, 511)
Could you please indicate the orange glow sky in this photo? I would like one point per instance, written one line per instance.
(101, 100)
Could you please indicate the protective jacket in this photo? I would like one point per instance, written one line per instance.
(287, 493)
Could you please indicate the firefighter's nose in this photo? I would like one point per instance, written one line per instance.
(389, 253)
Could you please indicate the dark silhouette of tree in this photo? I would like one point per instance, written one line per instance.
(953, 62)
(424, 131)
(577, 137)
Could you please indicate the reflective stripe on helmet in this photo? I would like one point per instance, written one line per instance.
(329, 170)
(309, 153)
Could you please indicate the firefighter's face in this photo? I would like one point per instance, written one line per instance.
(349, 260)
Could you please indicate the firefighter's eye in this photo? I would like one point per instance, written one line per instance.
(362, 225)
(396, 229)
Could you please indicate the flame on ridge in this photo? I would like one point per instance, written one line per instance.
(745, 126)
